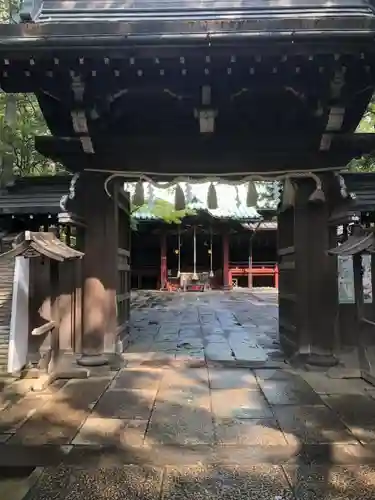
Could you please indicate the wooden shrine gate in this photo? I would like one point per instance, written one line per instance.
(116, 107)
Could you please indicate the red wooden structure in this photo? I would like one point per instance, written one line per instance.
(255, 270)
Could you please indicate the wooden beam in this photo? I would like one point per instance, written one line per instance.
(159, 156)
(41, 330)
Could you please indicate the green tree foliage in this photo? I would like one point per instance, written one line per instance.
(164, 210)
(366, 126)
(18, 136)
(20, 121)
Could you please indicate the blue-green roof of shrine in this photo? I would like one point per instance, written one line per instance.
(241, 213)
(231, 201)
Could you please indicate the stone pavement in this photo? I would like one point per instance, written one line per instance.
(205, 408)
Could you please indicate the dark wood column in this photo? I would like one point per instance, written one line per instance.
(226, 260)
(99, 269)
(163, 260)
(122, 227)
(287, 285)
(315, 278)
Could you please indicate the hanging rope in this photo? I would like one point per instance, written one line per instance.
(277, 175)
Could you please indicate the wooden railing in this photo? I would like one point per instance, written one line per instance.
(256, 269)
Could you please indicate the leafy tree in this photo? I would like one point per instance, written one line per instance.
(20, 121)
(268, 193)
(162, 209)
(18, 136)
(367, 126)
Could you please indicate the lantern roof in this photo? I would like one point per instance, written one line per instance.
(42, 244)
(360, 241)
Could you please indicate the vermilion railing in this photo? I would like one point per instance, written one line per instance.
(237, 269)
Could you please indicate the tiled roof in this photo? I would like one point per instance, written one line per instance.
(238, 213)
(241, 213)
(264, 226)
(143, 214)
(362, 185)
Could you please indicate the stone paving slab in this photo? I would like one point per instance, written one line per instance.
(312, 425)
(161, 455)
(121, 433)
(127, 404)
(289, 392)
(239, 403)
(138, 378)
(249, 432)
(232, 379)
(58, 420)
(357, 411)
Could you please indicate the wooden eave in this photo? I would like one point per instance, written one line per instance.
(43, 244)
(34, 196)
(211, 155)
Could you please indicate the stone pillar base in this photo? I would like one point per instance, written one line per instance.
(93, 360)
(320, 360)
(314, 361)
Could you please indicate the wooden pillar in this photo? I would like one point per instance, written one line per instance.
(276, 282)
(99, 270)
(315, 278)
(127, 245)
(163, 260)
(287, 288)
(250, 264)
(226, 282)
